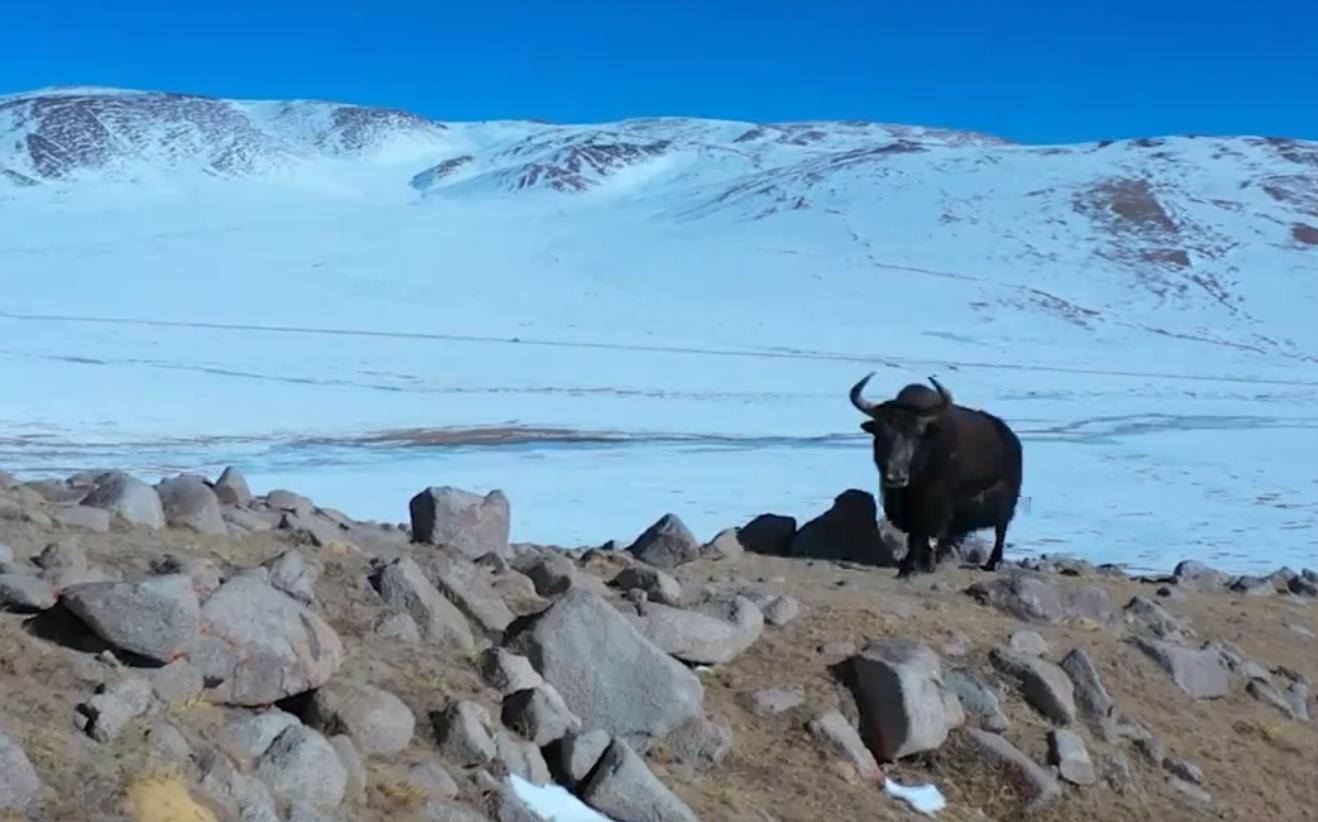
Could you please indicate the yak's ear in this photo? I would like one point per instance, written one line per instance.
(870, 426)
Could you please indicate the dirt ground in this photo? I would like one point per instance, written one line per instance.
(1257, 763)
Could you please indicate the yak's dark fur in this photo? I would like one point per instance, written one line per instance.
(945, 470)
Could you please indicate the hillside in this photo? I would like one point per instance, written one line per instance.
(681, 304)
(189, 651)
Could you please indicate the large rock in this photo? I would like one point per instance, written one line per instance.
(1196, 576)
(129, 498)
(24, 592)
(1036, 598)
(156, 618)
(717, 633)
(635, 691)
(769, 534)
(666, 544)
(701, 743)
(1034, 784)
(507, 672)
(377, 721)
(847, 531)
(522, 757)
(539, 714)
(468, 523)
(1149, 615)
(462, 732)
(116, 703)
(302, 765)
(467, 586)
(1067, 751)
(290, 573)
(19, 784)
(403, 584)
(1201, 673)
(579, 753)
(190, 503)
(905, 707)
(657, 585)
(1091, 697)
(624, 788)
(232, 488)
(1045, 686)
(258, 645)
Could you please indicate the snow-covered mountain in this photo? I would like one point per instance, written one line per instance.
(664, 276)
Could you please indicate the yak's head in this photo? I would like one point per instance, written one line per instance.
(899, 426)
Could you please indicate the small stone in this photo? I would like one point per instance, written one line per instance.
(1091, 697)
(398, 626)
(579, 753)
(23, 592)
(1200, 673)
(430, 778)
(1029, 643)
(290, 573)
(463, 735)
(115, 704)
(539, 714)
(176, 683)
(666, 544)
(1191, 790)
(251, 734)
(522, 757)
(155, 618)
(833, 731)
(771, 702)
(1268, 694)
(780, 610)
(711, 633)
(129, 498)
(1155, 618)
(467, 586)
(377, 721)
(978, 698)
(1044, 685)
(552, 575)
(507, 672)
(231, 488)
(282, 500)
(700, 743)
(302, 765)
(658, 586)
(1184, 770)
(19, 784)
(1035, 785)
(354, 787)
(623, 787)
(166, 742)
(725, 545)
(1253, 586)
(840, 649)
(1068, 752)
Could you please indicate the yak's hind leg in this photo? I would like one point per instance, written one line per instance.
(999, 541)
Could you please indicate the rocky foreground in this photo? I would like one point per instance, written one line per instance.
(187, 651)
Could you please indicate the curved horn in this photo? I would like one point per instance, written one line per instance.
(945, 399)
(863, 405)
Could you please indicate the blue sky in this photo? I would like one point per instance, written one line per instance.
(1032, 71)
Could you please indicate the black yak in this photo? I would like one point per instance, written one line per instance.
(945, 470)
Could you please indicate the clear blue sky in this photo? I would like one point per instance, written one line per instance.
(1032, 71)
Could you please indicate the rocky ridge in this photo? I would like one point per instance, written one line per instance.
(247, 656)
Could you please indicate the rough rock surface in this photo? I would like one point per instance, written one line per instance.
(258, 645)
(905, 708)
(701, 743)
(302, 765)
(467, 586)
(1032, 782)
(658, 586)
(377, 721)
(1045, 686)
(507, 672)
(979, 698)
(129, 498)
(19, 784)
(716, 633)
(623, 787)
(666, 544)
(771, 701)
(1067, 751)
(462, 731)
(834, 732)
(1201, 672)
(190, 503)
(403, 584)
(847, 531)
(231, 488)
(468, 523)
(24, 592)
(1036, 598)
(579, 753)
(539, 714)
(636, 691)
(156, 618)
(1092, 699)
(290, 573)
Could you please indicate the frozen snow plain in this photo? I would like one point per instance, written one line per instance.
(677, 328)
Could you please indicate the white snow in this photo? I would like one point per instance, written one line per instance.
(160, 318)
(925, 799)
(554, 803)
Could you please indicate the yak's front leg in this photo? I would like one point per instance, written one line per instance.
(917, 554)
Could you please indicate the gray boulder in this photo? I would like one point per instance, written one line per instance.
(1045, 686)
(1196, 576)
(552, 575)
(769, 534)
(462, 731)
(399, 626)
(1067, 751)
(289, 502)
(302, 765)
(115, 703)
(636, 691)
(580, 752)
(377, 721)
(353, 767)
(716, 632)
(259, 645)
(231, 488)
(979, 699)
(507, 672)
(522, 757)
(290, 573)
(431, 780)
(82, 516)
(468, 523)
(848, 531)
(1092, 699)
(657, 585)
(725, 545)
(1036, 598)
(778, 610)
(539, 714)
(700, 743)
(623, 787)
(129, 498)
(905, 707)
(1034, 784)
(1155, 619)
(1029, 643)
(1202, 673)
(177, 683)
(19, 784)
(190, 503)
(403, 584)
(24, 592)
(467, 586)
(156, 618)
(666, 544)
(249, 735)
(835, 733)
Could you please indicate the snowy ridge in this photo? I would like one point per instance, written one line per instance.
(338, 270)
